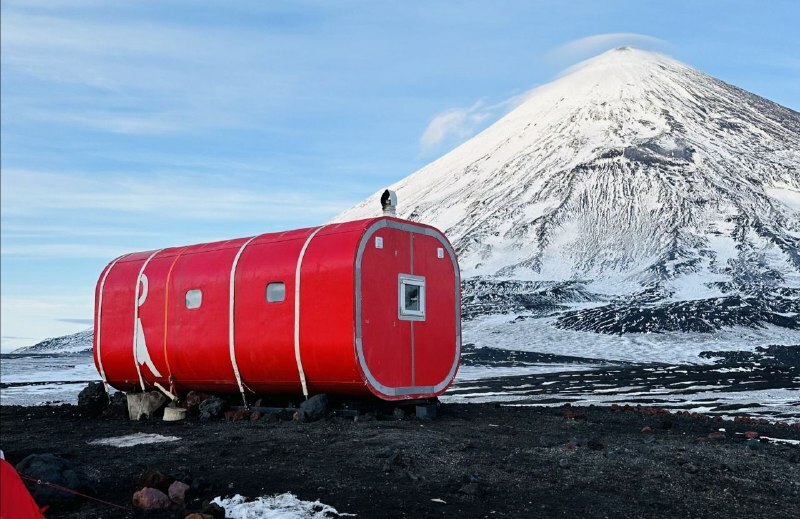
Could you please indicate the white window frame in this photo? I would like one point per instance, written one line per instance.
(190, 303)
(407, 314)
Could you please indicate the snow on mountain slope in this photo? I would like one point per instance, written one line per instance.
(75, 343)
(630, 173)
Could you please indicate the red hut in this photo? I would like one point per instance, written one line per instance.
(355, 308)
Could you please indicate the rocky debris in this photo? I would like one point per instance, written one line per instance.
(150, 499)
(93, 398)
(751, 434)
(177, 492)
(155, 479)
(716, 435)
(563, 463)
(118, 406)
(58, 471)
(196, 515)
(238, 415)
(211, 407)
(313, 409)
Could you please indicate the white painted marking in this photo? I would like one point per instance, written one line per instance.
(139, 344)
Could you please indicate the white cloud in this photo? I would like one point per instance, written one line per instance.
(583, 48)
(454, 125)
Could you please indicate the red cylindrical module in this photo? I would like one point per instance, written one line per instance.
(357, 308)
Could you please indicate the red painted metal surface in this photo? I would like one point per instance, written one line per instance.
(348, 336)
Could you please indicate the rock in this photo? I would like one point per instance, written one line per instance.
(313, 409)
(150, 499)
(211, 408)
(118, 406)
(177, 492)
(563, 463)
(93, 398)
(716, 435)
(199, 516)
(192, 402)
(751, 435)
(152, 478)
(426, 412)
(398, 413)
(214, 510)
(691, 468)
(649, 439)
(256, 416)
(59, 471)
(646, 430)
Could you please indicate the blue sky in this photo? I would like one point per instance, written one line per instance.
(138, 125)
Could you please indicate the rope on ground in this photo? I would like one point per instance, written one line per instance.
(70, 491)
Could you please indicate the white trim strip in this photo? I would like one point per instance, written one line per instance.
(99, 320)
(297, 311)
(136, 317)
(231, 300)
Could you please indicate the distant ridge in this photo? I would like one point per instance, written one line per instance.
(76, 343)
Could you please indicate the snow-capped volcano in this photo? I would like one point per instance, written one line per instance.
(630, 171)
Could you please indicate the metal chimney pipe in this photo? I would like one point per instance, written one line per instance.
(389, 203)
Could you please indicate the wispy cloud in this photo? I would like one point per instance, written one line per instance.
(583, 48)
(454, 125)
(36, 193)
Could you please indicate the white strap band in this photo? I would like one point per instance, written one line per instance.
(99, 320)
(297, 311)
(232, 298)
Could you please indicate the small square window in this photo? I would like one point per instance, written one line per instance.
(411, 297)
(276, 292)
(194, 298)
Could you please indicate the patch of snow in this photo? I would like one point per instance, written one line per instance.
(280, 506)
(131, 440)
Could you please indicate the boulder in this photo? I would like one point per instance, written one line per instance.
(152, 478)
(192, 402)
(177, 492)
(93, 398)
(59, 471)
(214, 510)
(150, 499)
(199, 516)
(313, 409)
(211, 408)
